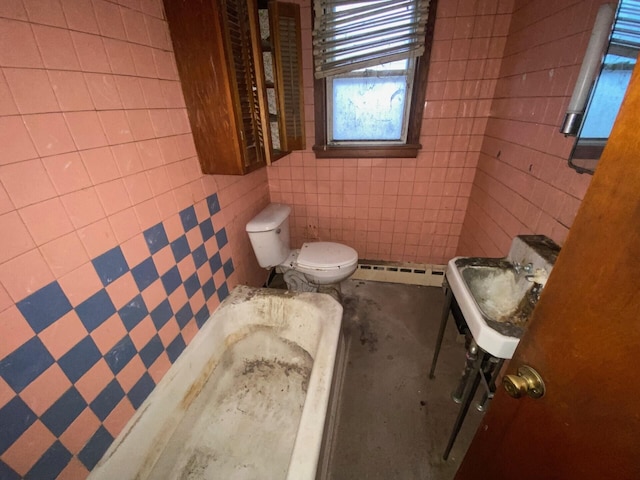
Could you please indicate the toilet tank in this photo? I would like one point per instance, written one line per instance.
(269, 235)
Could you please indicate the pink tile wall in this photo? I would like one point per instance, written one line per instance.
(408, 210)
(523, 183)
(97, 157)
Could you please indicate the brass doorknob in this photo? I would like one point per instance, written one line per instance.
(528, 381)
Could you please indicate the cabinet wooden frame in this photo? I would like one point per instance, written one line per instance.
(218, 53)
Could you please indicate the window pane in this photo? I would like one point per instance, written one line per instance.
(607, 97)
(369, 108)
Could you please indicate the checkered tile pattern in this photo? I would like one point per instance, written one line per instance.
(134, 328)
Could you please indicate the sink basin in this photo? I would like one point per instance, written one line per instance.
(495, 300)
(504, 297)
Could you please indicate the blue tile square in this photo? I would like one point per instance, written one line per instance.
(107, 400)
(95, 310)
(200, 256)
(110, 266)
(213, 204)
(145, 274)
(50, 464)
(121, 354)
(223, 291)
(151, 351)
(180, 248)
(209, 288)
(202, 316)
(192, 285)
(64, 411)
(189, 218)
(25, 364)
(8, 473)
(175, 348)
(156, 238)
(161, 314)
(79, 360)
(221, 238)
(15, 418)
(171, 280)
(133, 312)
(141, 390)
(92, 452)
(228, 268)
(184, 315)
(206, 228)
(44, 307)
(215, 262)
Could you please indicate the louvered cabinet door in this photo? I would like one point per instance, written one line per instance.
(242, 36)
(213, 44)
(284, 25)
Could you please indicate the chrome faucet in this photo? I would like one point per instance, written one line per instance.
(518, 268)
(538, 277)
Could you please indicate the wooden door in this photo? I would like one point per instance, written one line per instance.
(584, 340)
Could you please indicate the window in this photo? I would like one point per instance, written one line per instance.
(370, 105)
(371, 62)
(609, 88)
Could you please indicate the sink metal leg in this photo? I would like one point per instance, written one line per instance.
(493, 369)
(446, 309)
(469, 393)
(471, 356)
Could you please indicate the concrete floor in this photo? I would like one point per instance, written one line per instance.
(394, 422)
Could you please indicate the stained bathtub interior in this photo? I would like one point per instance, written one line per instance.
(261, 379)
(246, 399)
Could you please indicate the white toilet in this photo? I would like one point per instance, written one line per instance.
(315, 264)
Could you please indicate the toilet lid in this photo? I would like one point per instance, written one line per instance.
(322, 255)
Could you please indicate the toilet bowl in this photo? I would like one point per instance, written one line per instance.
(319, 263)
(315, 264)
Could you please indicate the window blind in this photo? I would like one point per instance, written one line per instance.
(350, 35)
(625, 39)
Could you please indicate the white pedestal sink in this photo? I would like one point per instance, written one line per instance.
(497, 295)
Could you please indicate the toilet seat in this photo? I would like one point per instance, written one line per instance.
(319, 263)
(326, 256)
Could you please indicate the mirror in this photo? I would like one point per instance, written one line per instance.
(609, 88)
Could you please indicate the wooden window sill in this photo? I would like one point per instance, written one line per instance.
(382, 151)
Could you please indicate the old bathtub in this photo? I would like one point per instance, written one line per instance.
(248, 397)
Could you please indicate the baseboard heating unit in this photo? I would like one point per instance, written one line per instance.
(397, 272)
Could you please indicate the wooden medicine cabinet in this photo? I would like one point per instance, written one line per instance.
(241, 74)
